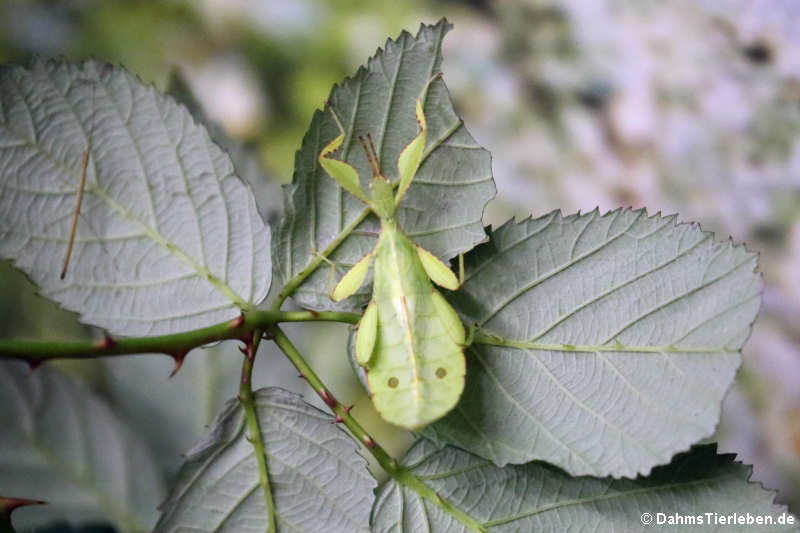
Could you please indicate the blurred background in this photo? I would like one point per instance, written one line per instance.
(682, 106)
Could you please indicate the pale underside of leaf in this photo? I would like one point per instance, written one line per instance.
(318, 480)
(171, 412)
(168, 237)
(539, 498)
(606, 343)
(443, 208)
(245, 158)
(62, 444)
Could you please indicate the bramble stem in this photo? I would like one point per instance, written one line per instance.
(399, 473)
(176, 345)
(342, 412)
(248, 402)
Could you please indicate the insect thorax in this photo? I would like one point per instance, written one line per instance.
(382, 195)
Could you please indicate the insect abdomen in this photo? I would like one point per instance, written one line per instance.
(419, 375)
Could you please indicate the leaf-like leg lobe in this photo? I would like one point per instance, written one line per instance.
(353, 279)
(367, 333)
(437, 271)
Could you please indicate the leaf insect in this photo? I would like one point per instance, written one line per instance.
(410, 341)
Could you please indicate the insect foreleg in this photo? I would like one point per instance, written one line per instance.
(411, 156)
(344, 174)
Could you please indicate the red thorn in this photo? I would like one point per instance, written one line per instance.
(178, 357)
(240, 398)
(348, 408)
(368, 442)
(237, 322)
(106, 343)
(268, 336)
(243, 349)
(337, 420)
(328, 398)
(313, 313)
(33, 364)
(301, 375)
(8, 505)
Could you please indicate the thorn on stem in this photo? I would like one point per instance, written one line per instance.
(8, 505)
(106, 343)
(328, 398)
(348, 408)
(314, 314)
(368, 442)
(301, 375)
(237, 322)
(33, 364)
(178, 356)
(337, 420)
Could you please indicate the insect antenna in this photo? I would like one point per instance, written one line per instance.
(372, 147)
(372, 157)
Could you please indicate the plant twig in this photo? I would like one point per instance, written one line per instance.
(248, 401)
(175, 345)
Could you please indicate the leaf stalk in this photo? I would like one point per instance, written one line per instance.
(254, 430)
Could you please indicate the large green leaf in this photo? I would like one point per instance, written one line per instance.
(443, 208)
(168, 238)
(318, 480)
(541, 498)
(62, 444)
(616, 339)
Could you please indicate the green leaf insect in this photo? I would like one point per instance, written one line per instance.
(410, 341)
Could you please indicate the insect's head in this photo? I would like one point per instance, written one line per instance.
(381, 189)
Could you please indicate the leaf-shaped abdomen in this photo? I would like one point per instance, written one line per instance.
(416, 373)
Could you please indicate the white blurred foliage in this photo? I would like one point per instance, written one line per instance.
(229, 93)
(278, 18)
(658, 104)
